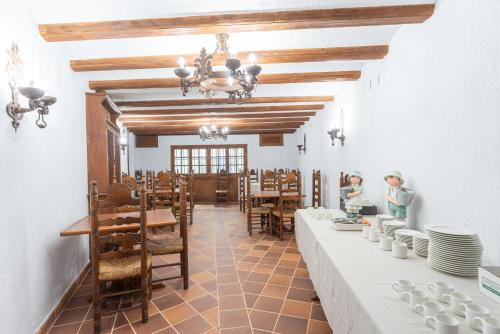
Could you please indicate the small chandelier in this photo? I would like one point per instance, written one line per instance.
(238, 83)
(213, 132)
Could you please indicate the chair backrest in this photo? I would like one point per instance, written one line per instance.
(288, 203)
(281, 171)
(118, 199)
(254, 175)
(242, 181)
(268, 180)
(316, 188)
(222, 180)
(150, 175)
(248, 196)
(344, 179)
(126, 237)
(290, 183)
(130, 182)
(183, 222)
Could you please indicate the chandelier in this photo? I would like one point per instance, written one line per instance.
(238, 83)
(213, 132)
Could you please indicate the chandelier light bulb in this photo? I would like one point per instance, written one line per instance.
(252, 58)
(181, 61)
(230, 81)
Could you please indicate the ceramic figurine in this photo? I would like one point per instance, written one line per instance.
(354, 195)
(398, 197)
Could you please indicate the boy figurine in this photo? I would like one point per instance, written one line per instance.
(354, 200)
(398, 197)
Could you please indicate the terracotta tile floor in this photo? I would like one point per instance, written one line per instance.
(238, 285)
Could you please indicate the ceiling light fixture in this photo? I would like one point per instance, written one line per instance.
(240, 83)
(213, 132)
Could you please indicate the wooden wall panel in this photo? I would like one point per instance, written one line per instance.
(146, 141)
(271, 139)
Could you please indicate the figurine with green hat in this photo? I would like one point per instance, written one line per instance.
(398, 197)
(354, 195)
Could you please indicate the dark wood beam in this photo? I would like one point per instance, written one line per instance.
(278, 78)
(263, 57)
(290, 125)
(193, 102)
(238, 22)
(129, 118)
(222, 110)
(220, 122)
(233, 132)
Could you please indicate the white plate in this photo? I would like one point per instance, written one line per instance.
(448, 230)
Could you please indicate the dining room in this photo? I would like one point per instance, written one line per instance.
(236, 167)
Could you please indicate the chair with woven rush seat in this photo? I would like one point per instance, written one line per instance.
(131, 183)
(316, 188)
(118, 199)
(222, 190)
(241, 190)
(268, 182)
(259, 215)
(290, 188)
(165, 244)
(254, 175)
(129, 261)
(190, 197)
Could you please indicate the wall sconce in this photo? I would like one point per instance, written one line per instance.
(36, 96)
(338, 133)
(302, 148)
(123, 141)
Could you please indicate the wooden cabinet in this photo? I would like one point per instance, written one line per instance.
(103, 140)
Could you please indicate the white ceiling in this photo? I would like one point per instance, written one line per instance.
(57, 11)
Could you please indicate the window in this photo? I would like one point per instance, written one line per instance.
(236, 159)
(181, 161)
(199, 160)
(208, 159)
(218, 159)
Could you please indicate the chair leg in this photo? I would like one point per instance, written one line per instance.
(185, 270)
(282, 226)
(145, 298)
(97, 308)
(150, 283)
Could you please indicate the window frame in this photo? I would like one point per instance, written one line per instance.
(209, 155)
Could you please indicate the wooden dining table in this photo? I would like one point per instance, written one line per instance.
(155, 219)
(273, 194)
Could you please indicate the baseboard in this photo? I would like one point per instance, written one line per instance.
(45, 326)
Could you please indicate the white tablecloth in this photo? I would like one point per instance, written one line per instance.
(353, 278)
(254, 187)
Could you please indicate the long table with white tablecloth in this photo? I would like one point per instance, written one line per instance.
(353, 279)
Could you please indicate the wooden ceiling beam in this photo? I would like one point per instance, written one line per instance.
(277, 78)
(234, 132)
(263, 57)
(143, 112)
(187, 127)
(189, 102)
(128, 118)
(220, 122)
(238, 22)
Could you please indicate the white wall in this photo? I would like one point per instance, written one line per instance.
(43, 175)
(433, 112)
(258, 156)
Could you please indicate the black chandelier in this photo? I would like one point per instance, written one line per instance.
(213, 132)
(237, 83)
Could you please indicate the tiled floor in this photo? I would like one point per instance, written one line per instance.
(239, 285)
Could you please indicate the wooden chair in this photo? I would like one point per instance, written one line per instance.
(268, 180)
(165, 244)
(241, 189)
(118, 199)
(284, 214)
(254, 175)
(290, 183)
(163, 190)
(256, 216)
(122, 263)
(316, 188)
(190, 197)
(150, 176)
(222, 190)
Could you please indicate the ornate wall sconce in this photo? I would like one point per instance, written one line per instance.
(36, 96)
(123, 141)
(338, 133)
(302, 148)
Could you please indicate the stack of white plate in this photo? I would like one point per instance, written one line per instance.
(391, 226)
(380, 219)
(406, 236)
(454, 250)
(421, 244)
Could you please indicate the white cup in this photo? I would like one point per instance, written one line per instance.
(443, 324)
(488, 325)
(414, 297)
(403, 286)
(385, 242)
(373, 235)
(455, 299)
(365, 231)
(438, 289)
(473, 311)
(399, 249)
(429, 309)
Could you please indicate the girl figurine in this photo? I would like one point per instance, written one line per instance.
(398, 197)
(354, 200)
